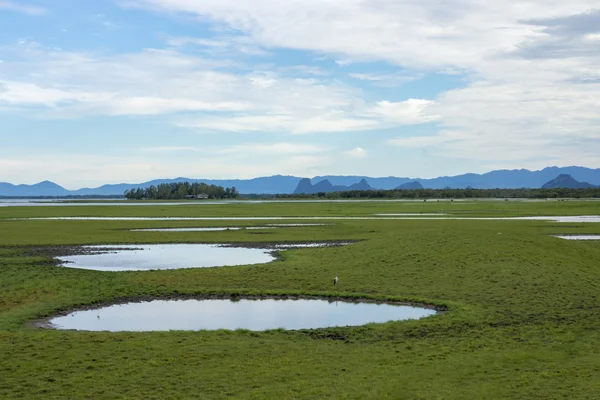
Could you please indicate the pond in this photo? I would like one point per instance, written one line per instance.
(251, 314)
(202, 229)
(579, 237)
(146, 257)
(225, 228)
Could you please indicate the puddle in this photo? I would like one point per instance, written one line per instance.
(205, 229)
(296, 225)
(410, 215)
(254, 315)
(579, 237)
(117, 258)
(225, 228)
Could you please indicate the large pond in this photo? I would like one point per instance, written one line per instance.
(117, 258)
(254, 315)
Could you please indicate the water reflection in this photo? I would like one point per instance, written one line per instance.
(145, 257)
(164, 256)
(255, 315)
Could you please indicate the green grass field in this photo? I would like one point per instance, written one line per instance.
(523, 318)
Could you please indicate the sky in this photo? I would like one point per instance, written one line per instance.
(109, 91)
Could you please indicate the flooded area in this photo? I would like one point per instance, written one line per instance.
(251, 314)
(578, 237)
(225, 228)
(144, 257)
(204, 229)
(411, 215)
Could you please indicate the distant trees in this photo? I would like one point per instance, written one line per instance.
(454, 194)
(181, 190)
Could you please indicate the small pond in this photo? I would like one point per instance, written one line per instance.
(224, 228)
(579, 237)
(202, 229)
(254, 315)
(147, 257)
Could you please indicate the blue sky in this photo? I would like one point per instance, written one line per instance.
(130, 90)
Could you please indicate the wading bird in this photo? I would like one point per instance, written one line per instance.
(335, 280)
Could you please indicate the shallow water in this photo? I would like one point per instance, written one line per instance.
(146, 257)
(561, 219)
(296, 225)
(224, 228)
(255, 315)
(205, 229)
(165, 256)
(410, 215)
(579, 237)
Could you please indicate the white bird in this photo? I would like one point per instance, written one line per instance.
(335, 280)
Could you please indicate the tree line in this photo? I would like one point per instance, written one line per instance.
(468, 193)
(181, 190)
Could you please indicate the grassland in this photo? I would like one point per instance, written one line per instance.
(523, 320)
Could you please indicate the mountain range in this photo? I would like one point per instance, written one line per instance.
(500, 179)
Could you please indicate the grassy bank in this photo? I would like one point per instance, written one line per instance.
(523, 319)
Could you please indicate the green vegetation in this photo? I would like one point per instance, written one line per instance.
(181, 190)
(523, 319)
(468, 193)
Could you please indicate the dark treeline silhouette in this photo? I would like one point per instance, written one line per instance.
(453, 194)
(181, 190)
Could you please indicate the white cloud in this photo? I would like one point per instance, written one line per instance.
(409, 112)
(415, 142)
(532, 66)
(22, 8)
(297, 123)
(156, 105)
(222, 45)
(357, 152)
(387, 80)
(531, 74)
(155, 82)
(169, 149)
(273, 149)
(32, 94)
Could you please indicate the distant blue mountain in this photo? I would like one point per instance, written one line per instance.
(502, 179)
(565, 181)
(45, 188)
(305, 186)
(414, 185)
(510, 179)
(264, 185)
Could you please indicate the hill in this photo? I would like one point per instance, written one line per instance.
(305, 186)
(414, 185)
(565, 181)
